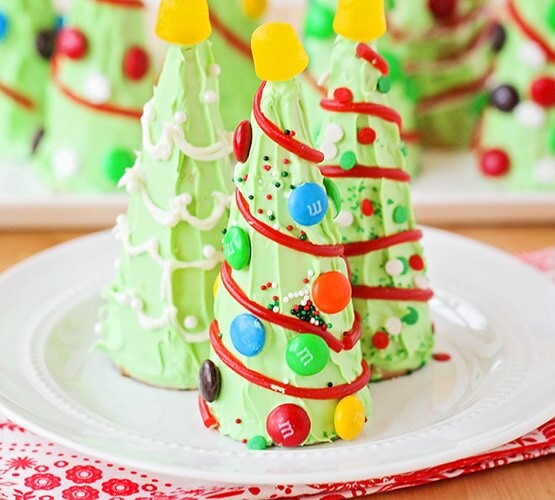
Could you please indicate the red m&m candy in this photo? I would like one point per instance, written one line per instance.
(72, 43)
(135, 63)
(288, 425)
(543, 91)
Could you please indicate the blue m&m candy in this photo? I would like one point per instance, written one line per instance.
(4, 25)
(308, 204)
(248, 334)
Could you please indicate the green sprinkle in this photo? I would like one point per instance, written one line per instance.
(285, 174)
(550, 17)
(348, 160)
(552, 140)
(277, 184)
(404, 149)
(384, 84)
(257, 443)
(400, 214)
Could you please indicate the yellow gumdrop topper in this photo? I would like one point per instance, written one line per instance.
(254, 9)
(360, 20)
(278, 53)
(183, 22)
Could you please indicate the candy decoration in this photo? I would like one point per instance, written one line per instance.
(288, 425)
(380, 340)
(416, 262)
(135, 63)
(498, 37)
(333, 133)
(505, 98)
(278, 62)
(257, 443)
(411, 318)
(333, 193)
(367, 207)
(342, 95)
(331, 292)
(348, 160)
(308, 204)
(208, 419)
(72, 43)
(98, 88)
(254, 8)
(543, 91)
(37, 139)
(183, 23)
(394, 325)
(210, 381)
(550, 17)
(237, 247)
(366, 136)
(4, 26)
(384, 84)
(116, 163)
(242, 141)
(400, 215)
(495, 163)
(529, 114)
(443, 10)
(319, 22)
(551, 141)
(349, 417)
(360, 21)
(345, 218)
(394, 267)
(248, 334)
(45, 43)
(307, 354)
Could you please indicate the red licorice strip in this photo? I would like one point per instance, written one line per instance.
(467, 90)
(103, 108)
(411, 136)
(284, 239)
(285, 141)
(317, 393)
(137, 4)
(393, 174)
(364, 247)
(229, 36)
(208, 419)
(20, 99)
(289, 322)
(529, 31)
(364, 108)
(390, 293)
(369, 54)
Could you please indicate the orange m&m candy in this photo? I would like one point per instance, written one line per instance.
(331, 292)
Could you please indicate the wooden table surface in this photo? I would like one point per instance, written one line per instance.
(530, 480)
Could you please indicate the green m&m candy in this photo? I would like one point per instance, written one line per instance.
(237, 247)
(307, 354)
(411, 318)
(400, 214)
(117, 162)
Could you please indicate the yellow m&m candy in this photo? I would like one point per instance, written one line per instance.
(349, 417)
(254, 8)
(183, 22)
(277, 52)
(360, 20)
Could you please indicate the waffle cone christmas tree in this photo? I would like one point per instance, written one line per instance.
(155, 322)
(364, 157)
(444, 48)
(234, 22)
(102, 76)
(285, 365)
(516, 145)
(26, 43)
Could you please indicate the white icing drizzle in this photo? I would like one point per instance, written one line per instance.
(130, 297)
(133, 180)
(173, 135)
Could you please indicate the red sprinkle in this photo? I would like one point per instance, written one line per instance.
(267, 168)
(380, 340)
(136, 63)
(543, 91)
(366, 135)
(289, 228)
(442, 357)
(286, 161)
(268, 196)
(367, 207)
(495, 163)
(416, 262)
(260, 211)
(72, 43)
(238, 420)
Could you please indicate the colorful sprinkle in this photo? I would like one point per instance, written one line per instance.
(348, 160)
(366, 135)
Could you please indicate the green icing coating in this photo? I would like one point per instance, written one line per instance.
(24, 71)
(527, 133)
(157, 311)
(238, 79)
(290, 275)
(445, 68)
(80, 140)
(411, 346)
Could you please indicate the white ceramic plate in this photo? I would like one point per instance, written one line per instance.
(494, 316)
(449, 191)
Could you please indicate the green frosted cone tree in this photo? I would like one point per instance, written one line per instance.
(27, 34)
(102, 76)
(285, 365)
(155, 321)
(365, 158)
(516, 143)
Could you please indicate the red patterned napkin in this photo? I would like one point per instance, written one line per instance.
(32, 468)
